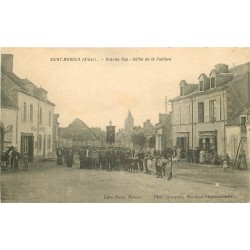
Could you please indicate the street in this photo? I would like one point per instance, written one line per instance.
(47, 182)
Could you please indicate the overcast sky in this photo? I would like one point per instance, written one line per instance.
(100, 91)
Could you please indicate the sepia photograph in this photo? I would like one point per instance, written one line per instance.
(125, 125)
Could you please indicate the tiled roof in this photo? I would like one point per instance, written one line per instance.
(20, 83)
(6, 102)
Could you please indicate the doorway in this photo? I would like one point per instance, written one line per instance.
(27, 145)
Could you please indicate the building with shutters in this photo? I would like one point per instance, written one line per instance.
(205, 114)
(27, 114)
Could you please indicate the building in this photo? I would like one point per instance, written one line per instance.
(123, 136)
(9, 114)
(204, 113)
(28, 112)
(163, 132)
(129, 123)
(56, 125)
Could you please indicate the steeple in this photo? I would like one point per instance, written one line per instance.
(129, 115)
(129, 122)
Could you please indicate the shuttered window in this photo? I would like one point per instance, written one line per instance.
(201, 112)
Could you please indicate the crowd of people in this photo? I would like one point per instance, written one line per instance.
(119, 159)
(126, 159)
(11, 157)
(210, 157)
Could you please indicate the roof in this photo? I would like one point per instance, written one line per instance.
(239, 73)
(160, 125)
(6, 102)
(129, 115)
(20, 84)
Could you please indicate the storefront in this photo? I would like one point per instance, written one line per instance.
(208, 140)
(182, 141)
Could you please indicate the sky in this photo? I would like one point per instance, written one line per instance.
(101, 91)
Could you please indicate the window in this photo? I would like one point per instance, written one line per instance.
(178, 114)
(212, 111)
(201, 86)
(212, 82)
(243, 128)
(40, 116)
(201, 112)
(25, 111)
(40, 142)
(50, 118)
(182, 91)
(31, 113)
(49, 142)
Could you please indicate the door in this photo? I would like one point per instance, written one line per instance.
(31, 148)
(44, 145)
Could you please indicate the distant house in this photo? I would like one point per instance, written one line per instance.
(77, 133)
(163, 132)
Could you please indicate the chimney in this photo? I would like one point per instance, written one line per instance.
(7, 62)
(222, 68)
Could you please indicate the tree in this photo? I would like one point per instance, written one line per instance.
(139, 139)
(151, 142)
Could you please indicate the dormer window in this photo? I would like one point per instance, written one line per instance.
(201, 84)
(212, 82)
(182, 91)
(183, 87)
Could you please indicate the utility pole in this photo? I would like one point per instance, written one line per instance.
(166, 104)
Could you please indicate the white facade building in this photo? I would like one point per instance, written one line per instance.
(33, 119)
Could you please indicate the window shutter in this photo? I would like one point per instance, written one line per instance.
(195, 112)
(206, 111)
(22, 112)
(217, 109)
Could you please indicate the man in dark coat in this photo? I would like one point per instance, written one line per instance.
(16, 157)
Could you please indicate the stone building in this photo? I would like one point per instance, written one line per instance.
(204, 113)
(163, 132)
(29, 113)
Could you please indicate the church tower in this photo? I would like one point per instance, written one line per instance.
(129, 122)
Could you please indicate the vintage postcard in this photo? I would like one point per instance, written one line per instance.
(125, 125)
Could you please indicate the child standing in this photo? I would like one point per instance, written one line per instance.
(224, 165)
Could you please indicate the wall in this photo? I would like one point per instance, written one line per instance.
(233, 139)
(9, 118)
(32, 126)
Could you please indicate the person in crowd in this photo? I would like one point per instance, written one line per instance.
(215, 160)
(82, 158)
(159, 166)
(178, 154)
(109, 160)
(16, 158)
(95, 159)
(59, 155)
(26, 159)
(202, 156)
(140, 156)
(228, 159)
(169, 169)
(189, 155)
(224, 164)
(206, 161)
(164, 164)
(69, 159)
(4, 158)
